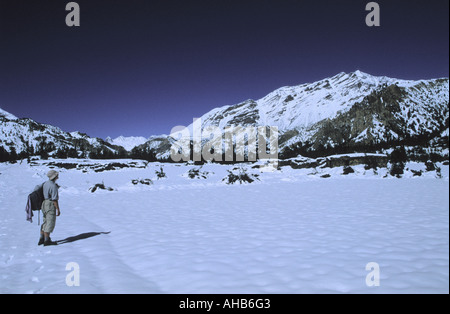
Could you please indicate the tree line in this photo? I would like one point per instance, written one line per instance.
(45, 150)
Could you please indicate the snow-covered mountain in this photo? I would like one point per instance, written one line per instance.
(27, 137)
(300, 106)
(127, 142)
(303, 107)
(346, 109)
(350, 110)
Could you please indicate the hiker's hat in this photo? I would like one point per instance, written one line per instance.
(52, 174)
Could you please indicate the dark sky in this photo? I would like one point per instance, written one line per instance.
(140, 67)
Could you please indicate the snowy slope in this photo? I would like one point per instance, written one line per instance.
(27, 135)
(304, 113)
(127, 142)
(24, 133)
(290, 232)
(304, 105)
(7, 115)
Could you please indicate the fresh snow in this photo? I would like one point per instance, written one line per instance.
(290, 232)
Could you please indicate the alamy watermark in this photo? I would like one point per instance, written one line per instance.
(73, 277)
(373, 277)
(373, 18)
(230, 144)
(73, 17)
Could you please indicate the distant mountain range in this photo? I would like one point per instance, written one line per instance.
(127, 142)
(349, 111)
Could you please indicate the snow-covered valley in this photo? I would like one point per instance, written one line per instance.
(290, 231)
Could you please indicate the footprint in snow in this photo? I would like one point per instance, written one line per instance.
(39, 269)
(9, 259)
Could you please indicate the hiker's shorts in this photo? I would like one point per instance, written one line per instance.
(49, 213)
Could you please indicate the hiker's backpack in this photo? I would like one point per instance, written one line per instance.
(35, 199)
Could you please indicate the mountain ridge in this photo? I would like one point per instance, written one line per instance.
(348, 109)
(306, 113)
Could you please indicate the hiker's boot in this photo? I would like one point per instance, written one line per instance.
(49, 242)
(41, 241)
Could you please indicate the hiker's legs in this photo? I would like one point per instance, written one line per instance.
(49, 213)
(45, 235)
(48, 225)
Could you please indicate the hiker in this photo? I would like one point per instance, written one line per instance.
(50, 208)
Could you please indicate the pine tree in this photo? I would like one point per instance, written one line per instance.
(398, 159)
(13, 154)
(4, 155)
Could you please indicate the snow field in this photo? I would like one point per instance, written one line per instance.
(290, 232)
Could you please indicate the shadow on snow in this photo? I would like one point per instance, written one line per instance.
(81, 236)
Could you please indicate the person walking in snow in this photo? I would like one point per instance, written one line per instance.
(50, 208)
